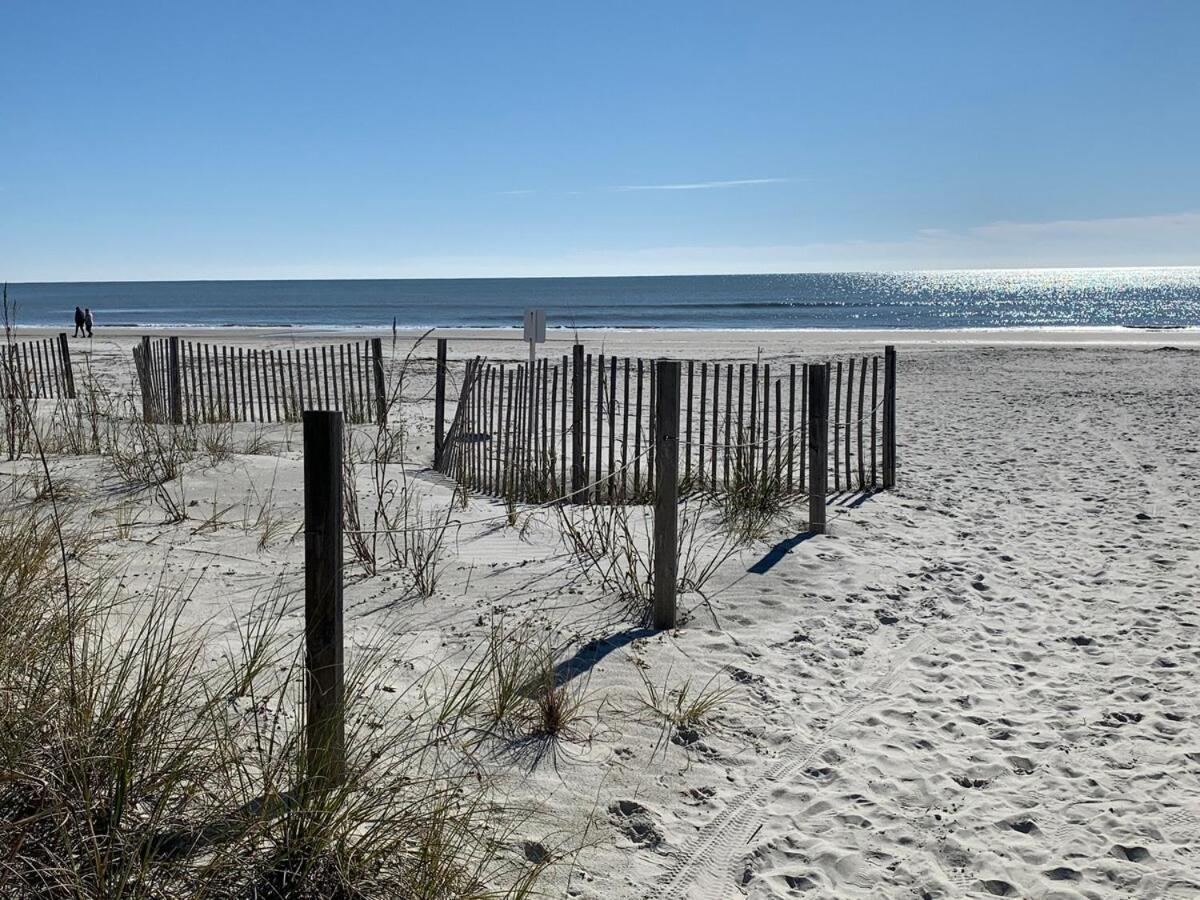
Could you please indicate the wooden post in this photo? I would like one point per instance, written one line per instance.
(637, 432)
(837, 456)
(687, 452)
(381, 404)
(599, 424)
(323, 649)
(715, 420)
(562, 435)
(439, 405)
(141, 362)
(612, 428)
(666, 493)
(874, 418)
(64, 351)
(578, 474)
(862, 396)
(791, 462)
(147, 381)
(176, 387)
(889, 416)
(818, 446)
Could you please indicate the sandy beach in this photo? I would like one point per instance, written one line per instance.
(981, 683)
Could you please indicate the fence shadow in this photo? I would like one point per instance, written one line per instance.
(778, 552)
(592, 652)
(853, 499)
(845, 500)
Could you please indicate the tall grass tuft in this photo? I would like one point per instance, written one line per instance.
(754, 498)
(615, 546)
(136, 767)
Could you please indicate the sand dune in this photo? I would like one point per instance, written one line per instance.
(981, 684)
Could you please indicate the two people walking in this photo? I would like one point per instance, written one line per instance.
(83, 322)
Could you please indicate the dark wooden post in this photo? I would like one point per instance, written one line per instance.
(889, 416)
(64, 352)
(323, 651)
(666, 491)
(439, 405)
(175, 400)
(381, 400)
(578, 475)
(818, 446)
(147, 381)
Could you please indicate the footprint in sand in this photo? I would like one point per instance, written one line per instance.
(1063, 873)
(635, 822)
(1130, 854)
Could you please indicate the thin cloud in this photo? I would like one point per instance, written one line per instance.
(681, 186)
(699, 185)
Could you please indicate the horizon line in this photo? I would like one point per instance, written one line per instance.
(865, 271)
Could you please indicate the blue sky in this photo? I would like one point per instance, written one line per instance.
(243, 140)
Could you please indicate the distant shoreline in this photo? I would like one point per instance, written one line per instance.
(936, 301)
(565, 329)
(694, 343)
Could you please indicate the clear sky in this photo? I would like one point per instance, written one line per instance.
(274, 140)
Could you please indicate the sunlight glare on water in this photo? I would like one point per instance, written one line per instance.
(986, 298)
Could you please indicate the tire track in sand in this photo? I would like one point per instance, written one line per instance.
(711, 853)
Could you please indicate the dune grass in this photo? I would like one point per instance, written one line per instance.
(138, 763)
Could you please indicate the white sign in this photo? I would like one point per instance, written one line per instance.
(535, 326)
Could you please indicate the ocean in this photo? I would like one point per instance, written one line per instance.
(1139, 298)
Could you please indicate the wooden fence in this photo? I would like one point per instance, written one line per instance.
(37, 370)
(584, 425)
(183, 381)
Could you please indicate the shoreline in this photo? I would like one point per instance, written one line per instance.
(665, 337)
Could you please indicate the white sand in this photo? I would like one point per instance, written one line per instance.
(983, 683)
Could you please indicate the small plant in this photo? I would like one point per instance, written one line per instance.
(216, 440)
(362, 545)
(258, 442)
(402, 530)
(83, 427)
(614, 544)
(557, 703)
(683, 706)
(425, 547)
(151, 457)
(215, 517)
(269, 523)
(511, 668)
(125, 515)
(15, 379)
(48, 489)
(753, 499)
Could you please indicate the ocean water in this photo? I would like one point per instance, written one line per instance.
(1147, 297)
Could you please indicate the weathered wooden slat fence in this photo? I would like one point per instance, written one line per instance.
(185, 381)
(584, 425)
(37, 370)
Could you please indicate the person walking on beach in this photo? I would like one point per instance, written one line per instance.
(88, 321)
(79, 321)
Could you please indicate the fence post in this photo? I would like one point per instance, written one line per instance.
(818, 446)
(439, 406)
(889, 416)
(148, 410)
(578, 476)
(176, 386)
(64, 353)
(323, 650)
(381, 400)
(666, 492)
